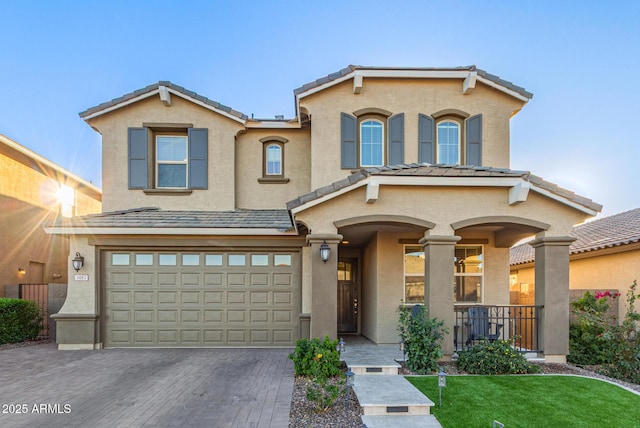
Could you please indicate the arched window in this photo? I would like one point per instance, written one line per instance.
(273, 160)
(371, 143)
(448, 150)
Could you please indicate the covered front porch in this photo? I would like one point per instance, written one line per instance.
(422, 240)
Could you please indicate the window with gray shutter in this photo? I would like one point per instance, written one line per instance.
(474, 140)
(348, 141)
(425, 139)
(138, 140)
(396, 139)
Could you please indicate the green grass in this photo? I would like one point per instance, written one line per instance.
(530, 401)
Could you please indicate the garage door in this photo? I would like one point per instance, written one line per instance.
(187, 298)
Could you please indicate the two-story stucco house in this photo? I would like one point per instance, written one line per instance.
(214, 224)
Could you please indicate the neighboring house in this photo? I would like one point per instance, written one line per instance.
(214, 223)
(604, 256)
(35, 191)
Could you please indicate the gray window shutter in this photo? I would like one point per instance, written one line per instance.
(426, 150)
(396, 139)
(474, 140)
(198, 158)
(348, 141)
(138, 141)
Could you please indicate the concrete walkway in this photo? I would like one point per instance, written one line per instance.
(145, 387)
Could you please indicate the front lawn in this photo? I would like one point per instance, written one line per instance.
(530, 401)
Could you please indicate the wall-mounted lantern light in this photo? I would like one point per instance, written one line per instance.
(325, 251)
(78, 262)
(21, 271)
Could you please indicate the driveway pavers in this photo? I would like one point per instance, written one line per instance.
(145, 387)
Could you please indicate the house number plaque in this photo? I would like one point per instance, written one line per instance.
(81, 277)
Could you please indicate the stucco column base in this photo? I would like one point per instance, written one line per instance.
(76, 331)
(552, 291)
(324, 283)
(438, 283)
(555, 359)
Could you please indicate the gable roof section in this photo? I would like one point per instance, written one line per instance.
(31, 159)
(157, 88)
(443, 175)
(613, 231)
(151, 220)
(351, 71)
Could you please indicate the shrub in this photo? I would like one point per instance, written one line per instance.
(320, 361)
(305, 356)
(19, 320)
(496, 357)
(422, 338)
(590, 334)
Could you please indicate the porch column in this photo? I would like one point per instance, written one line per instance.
(438, 282)
(552, 291)
(324, 282)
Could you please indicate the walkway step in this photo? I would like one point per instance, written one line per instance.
(415, 421)
(390, 395)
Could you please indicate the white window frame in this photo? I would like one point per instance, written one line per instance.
(459, 125)
(280, 148)
(480, 275)
(185, 162)
(382, 143)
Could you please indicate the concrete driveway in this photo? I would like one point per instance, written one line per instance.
(145, 387)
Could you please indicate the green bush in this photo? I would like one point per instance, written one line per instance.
(305, 357)
(496, 357)
(19, 320)
(422, 338)
(590, 333)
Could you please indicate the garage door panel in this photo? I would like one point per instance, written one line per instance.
(236, 279)
(212, 299)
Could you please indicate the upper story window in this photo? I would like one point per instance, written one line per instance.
(371, 143)
(168, 159)
(448, 147)
(273, 167)
(172, 161)
(274, 160)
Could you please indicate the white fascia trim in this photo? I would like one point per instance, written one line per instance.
(443, 181)
(165, 231)
(273, 125)
(122, 104)
(564, 200)
(502, 88)
(207, 106)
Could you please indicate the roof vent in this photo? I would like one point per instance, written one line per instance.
(279, 116)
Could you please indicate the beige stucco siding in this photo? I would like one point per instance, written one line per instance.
(442, 206)
(221, 169)
(250, 193)
(598, 270)
(411, 97)
(369, 295)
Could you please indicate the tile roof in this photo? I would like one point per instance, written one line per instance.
(150, 217)
(155, 86)
(351, 68)
(441, 170)
(607, 232)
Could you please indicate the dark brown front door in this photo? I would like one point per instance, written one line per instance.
(347, 296)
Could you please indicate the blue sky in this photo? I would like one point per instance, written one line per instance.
(579, 58)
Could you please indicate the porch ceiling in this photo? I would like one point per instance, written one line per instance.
(359, 235)
(505, 234)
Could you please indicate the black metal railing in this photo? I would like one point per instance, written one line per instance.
(497, 322)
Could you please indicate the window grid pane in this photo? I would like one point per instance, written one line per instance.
(448, 143)
(371, 144)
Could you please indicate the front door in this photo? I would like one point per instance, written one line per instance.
(347, 296)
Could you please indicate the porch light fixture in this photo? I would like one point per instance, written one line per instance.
(442, 383)
(325, 251)
(78, 262)
(21, 271)
(340, 347)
